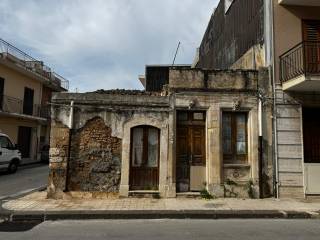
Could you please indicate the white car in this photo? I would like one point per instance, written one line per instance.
(10, 156)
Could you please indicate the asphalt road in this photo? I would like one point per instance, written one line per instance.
(24, 180)
(165, 229)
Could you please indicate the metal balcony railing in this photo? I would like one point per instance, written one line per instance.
(302, 59)
(22, 59)
(14, 105)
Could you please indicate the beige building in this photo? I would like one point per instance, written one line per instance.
(296, 64)
(284, 36)
(26, 85)
(192, 131)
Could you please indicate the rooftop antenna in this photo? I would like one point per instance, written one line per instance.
(175, 56)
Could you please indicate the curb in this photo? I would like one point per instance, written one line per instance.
(158, 214)
(5, 214)
(23, 193)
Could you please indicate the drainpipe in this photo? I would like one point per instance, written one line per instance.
(270, 62)
(275, 126)
(70, 125)
(260, 165)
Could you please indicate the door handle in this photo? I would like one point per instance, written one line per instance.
(191, 159)
(0, 153)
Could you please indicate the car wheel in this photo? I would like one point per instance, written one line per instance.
(13, 167)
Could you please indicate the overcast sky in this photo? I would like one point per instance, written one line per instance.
(103, 44)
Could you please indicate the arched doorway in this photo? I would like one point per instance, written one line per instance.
(144, 158)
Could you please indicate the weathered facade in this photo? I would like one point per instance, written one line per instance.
(233, 133)
(234, 36)
(121, 143)
(283, 36)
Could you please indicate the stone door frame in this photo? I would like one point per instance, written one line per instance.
(163, 126)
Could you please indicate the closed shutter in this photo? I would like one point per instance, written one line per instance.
(311, 35)
(28, 101)
(311, 30)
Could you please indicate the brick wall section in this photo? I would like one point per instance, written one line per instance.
(95, 164)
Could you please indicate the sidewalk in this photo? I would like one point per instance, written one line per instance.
(38, 207)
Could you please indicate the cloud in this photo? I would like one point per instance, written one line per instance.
(105, 43)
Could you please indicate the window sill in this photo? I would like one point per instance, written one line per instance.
(236, 165)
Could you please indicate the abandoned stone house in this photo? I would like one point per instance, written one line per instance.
(193, 130)
(235, 133)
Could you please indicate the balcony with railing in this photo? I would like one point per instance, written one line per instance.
(300, 67)
(21, 59)
(11, 105)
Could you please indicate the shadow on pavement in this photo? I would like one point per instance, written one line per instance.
(3, 172)
(18, 226)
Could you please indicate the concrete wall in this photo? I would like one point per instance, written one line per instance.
(254, 58)
(288, 33)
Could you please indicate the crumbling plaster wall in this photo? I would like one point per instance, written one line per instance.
(213, 80)
(254, 58)
(100, 142)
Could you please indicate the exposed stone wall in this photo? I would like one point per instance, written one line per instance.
(95, 163)
(100, 142)
(59, 142)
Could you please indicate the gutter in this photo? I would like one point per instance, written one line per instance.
(260, 146)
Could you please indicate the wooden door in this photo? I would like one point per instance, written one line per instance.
(197, 145)
(183, 152)
(311, 37)
(190, 150)
(24, 141)
(311, 145)
(145, 155)
(28, 101)
(311, 135)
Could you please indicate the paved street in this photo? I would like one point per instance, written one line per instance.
(24, 180)
(166, 229)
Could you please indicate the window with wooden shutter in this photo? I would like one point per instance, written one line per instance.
(311, 37)
(234, 137)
